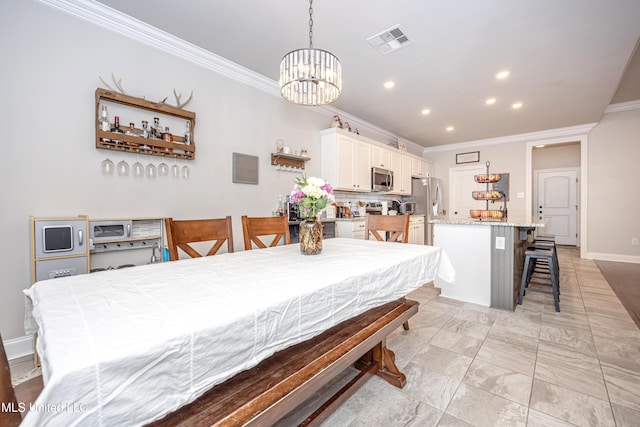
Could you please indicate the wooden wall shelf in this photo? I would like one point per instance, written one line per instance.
(139, 145)
(291, 160)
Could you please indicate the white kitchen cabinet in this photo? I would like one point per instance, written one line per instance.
(380, 157)
(429, 168)
(346, 162)
(405, 176)
(347, 158)
(419, 168)
(396, 168)
(416, 229)
(362, 170)
(352, 229)
(401, 167)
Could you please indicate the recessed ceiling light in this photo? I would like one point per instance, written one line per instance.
(449, 128)
(490, 101)
(539, 146)
(503, 74)
(389, 84)
(425, 112)
(516, 105)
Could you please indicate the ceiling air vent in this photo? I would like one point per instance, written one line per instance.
(389, 40)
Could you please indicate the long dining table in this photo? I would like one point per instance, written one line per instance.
(127, 347)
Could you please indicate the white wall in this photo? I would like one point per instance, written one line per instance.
(553, 157)
(504, 158)
(613, 201)
(614, 187)
(50, 167)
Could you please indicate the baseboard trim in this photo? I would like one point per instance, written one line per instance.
(19, 347)
(613, 257)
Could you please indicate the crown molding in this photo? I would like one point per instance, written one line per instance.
(117, 22)
(623, 106)
(565, 132)
(125, 25)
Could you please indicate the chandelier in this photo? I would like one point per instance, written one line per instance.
(310, 76)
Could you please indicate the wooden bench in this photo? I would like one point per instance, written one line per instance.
(262, 395)
(276, 386)
(15, 402)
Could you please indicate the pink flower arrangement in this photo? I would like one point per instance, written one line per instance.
(311, 195)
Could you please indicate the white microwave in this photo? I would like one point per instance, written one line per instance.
(381, 179)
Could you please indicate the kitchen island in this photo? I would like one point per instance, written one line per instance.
(488, 257)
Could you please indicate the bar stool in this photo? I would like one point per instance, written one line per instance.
(549, 246)
(541, 266)
(530, 274)
(547, 241)
(549, 237)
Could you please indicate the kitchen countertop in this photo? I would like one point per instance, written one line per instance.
(321, 220)
(508, 223)
(362, 218)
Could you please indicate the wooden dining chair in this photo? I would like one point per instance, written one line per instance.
(15, 402)
(254, 228)
(181, 233)
(397, 228)
(396, 225)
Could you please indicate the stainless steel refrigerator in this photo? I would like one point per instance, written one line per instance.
(426, 193)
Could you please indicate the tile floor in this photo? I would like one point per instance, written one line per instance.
(468, 365)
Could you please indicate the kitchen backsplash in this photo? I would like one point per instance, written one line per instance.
(351, 199)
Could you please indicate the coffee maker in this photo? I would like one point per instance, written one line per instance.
(293, 211)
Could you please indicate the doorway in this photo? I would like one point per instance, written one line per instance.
(555, 196)
(578, 138)
(462, 185)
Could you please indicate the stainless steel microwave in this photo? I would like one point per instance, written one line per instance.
(381, 179)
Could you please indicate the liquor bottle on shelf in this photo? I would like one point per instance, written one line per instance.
(103, 123)
(187, 133)
(116, 129)
(167, 137)
(156, 130)
(132, 131)
(145, 129)
(144, 133)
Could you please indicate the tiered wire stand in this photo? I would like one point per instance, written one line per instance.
(489, 195)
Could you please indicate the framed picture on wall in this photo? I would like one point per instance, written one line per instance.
(471, 157)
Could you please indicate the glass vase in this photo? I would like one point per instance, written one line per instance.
(311, 236)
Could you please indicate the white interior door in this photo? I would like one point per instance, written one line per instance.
(462, 185)
(556, 200)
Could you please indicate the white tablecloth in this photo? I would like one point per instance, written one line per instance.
(125, 347)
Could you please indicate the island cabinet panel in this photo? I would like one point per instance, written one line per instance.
(468, 249)
(488, 258)
(505, 265)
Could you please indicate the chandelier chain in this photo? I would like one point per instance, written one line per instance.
(310, 23)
